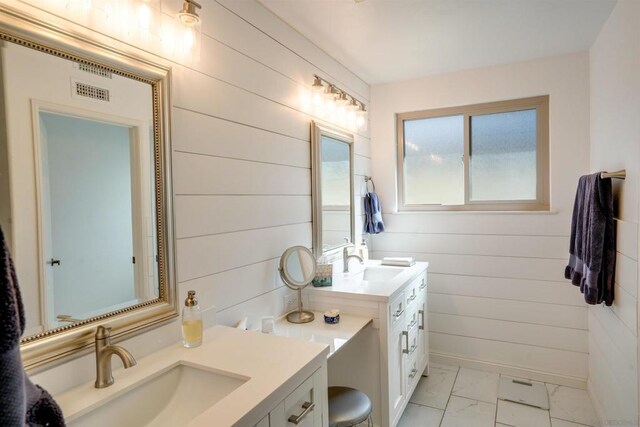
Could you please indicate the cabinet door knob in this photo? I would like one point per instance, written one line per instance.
(53, 262)
(308, 407)
(422, 317)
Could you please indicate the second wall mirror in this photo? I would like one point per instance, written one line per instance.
(332, 189)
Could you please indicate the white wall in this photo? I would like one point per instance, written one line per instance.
(615, 144)
(497, 290)
(241, 158)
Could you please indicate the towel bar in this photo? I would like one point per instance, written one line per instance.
(621, 174)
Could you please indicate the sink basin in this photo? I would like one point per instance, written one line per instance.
(381, 274)
(171, 398)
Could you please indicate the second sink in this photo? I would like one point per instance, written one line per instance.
(380, 274)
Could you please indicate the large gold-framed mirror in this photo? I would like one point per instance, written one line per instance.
(85, 186)
(332, 189)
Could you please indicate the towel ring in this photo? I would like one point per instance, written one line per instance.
(367, 180)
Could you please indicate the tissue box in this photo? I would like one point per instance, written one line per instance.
(324, 273)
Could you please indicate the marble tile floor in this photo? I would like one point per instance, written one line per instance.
(461, 397)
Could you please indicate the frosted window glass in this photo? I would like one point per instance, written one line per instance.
(503, 156)
(433, 166)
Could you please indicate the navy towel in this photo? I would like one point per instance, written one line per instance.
(373, 216)
(592, 248)
(21, 402)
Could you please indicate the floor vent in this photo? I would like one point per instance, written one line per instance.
(93, 92)
(94, 69)
(523, 391)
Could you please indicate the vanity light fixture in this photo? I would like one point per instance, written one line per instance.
(338, 105)
(342, 99)
(137, 22)
(317, 86)
(189, 13)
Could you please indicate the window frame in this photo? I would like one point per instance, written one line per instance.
(541, 203)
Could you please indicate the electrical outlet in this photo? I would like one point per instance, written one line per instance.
(290, 302)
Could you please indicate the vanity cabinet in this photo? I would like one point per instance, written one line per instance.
(303, 407)
(408, 360)
(399, 312)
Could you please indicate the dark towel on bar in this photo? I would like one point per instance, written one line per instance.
(373, 216)
(592, 248)
(21, 402)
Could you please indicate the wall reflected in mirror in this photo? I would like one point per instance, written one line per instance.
(336, 193)
(77, 187)
(332, 188)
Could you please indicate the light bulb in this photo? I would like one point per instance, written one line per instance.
(351, 118)
(144, 17)
(188, 38)
(361, 118)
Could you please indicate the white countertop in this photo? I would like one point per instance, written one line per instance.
(334, 335)
(273, 364)
(351, 285)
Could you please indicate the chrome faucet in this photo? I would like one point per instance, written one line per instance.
(104, 351)
(346, 258)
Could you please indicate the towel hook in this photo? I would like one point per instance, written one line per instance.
(367, 180)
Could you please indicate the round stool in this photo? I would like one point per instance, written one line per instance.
(348, 407)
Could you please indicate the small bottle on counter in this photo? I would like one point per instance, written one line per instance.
(364, 251)
(191, 321)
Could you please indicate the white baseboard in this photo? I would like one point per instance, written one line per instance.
(596, 403)
(514, 371)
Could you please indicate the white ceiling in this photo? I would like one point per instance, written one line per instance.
(392, 40)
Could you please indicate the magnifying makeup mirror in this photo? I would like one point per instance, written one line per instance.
(297, 270)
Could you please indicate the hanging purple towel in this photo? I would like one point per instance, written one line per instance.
(592, 248)
(22, 403)
(373, 216)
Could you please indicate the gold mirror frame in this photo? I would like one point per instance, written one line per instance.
(56, 345)
(317, 130)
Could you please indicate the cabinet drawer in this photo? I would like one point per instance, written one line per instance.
(263, 422)
(412, 317)
(396, 311)
(416, 289)
(412, 372)
(300, 405)
(422, 283)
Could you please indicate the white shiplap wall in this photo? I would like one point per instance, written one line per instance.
(615, 142)
(497, 295)
(241, 165)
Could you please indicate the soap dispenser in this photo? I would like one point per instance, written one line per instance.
(364, 251)
(191, 321)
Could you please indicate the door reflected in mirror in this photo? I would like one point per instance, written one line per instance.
(92, 175)
(332, 189)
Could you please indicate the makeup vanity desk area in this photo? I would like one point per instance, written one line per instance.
(386, 359)
(333, 335)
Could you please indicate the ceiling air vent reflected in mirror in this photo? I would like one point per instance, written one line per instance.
(98, 71)
(93, 92)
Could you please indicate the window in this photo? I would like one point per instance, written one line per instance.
(491, 156)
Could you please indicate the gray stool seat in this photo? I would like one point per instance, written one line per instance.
(348, 407)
